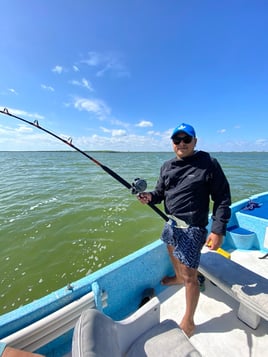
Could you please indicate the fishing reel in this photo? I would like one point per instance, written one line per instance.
(138, 185)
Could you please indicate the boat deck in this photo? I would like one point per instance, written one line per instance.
(218, 330)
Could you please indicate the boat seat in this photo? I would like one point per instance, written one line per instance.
(247, 287)
(142, 334)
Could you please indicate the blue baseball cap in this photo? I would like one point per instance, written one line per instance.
(183, 128)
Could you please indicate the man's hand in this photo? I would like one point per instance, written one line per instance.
(144, 197)
(214, 241)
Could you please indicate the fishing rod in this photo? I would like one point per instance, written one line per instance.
(138, 186)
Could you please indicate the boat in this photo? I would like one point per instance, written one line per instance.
(231, 317)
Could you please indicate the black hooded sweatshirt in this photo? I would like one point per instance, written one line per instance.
(187, 185)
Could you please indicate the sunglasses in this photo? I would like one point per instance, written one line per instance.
(186, 139)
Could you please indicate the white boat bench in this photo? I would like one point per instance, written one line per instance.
(141, 334)
(247, 287)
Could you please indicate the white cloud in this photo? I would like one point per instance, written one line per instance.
(102, 71)
(106, 63)
(144, 124)
(262, 142)
(96, 106)
(83, 83)
(114, 132)
(19, 112)
(119, 123)
(5, 131)
(22, 129)
(57, 69)
(93, 59)
(118, 132)
(105, 130)
(48, 88)
(86, 84)
(156, 133)
(75, 68)
(221, 131)
(12, 90)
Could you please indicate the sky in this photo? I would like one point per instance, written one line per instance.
(122, 74)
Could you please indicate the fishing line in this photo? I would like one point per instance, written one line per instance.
(137, 186)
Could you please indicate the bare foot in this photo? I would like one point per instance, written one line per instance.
(171, 280)
(187, 328)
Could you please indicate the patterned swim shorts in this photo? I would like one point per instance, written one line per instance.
(187, 243)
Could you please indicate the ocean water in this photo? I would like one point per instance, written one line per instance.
(62, 216)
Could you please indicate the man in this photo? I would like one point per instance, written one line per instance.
(186, 184)
(6, 351)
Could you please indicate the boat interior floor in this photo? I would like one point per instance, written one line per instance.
(217, 326)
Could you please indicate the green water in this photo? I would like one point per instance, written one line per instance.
(62, 216)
